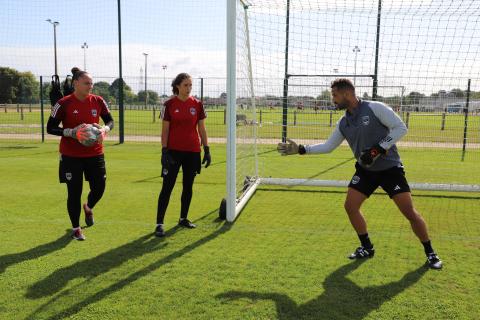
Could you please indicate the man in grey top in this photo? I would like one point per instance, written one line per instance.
(371, 129)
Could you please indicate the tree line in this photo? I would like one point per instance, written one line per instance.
(24, 87)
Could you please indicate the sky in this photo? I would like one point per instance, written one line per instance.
(427, 45)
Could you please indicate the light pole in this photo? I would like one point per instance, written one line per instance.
(146, 93)
(84, 47)
(356, 50)
(55, 24)
(164, 67)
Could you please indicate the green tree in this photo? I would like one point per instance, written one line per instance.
(101, 89)
(28, 88)
(114, 90)
(458, 93)
(414, 97)
(18, 87)
(8, 85)
(152, 97)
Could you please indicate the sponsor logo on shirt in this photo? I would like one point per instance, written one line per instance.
(365, 120)
(193, 111)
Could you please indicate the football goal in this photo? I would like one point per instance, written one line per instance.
(419, 57)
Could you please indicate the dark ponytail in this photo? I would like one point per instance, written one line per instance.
(77, 73)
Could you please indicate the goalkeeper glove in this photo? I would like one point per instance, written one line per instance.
(207, 159)
(103, 132)
(368, 156)
(73, 133)
(290, 147)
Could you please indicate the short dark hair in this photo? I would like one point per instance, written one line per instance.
(77, 73)
(342, 84)
(178, 79)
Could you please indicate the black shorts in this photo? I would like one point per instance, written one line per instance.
(189, 161)
(392, 180)
(73, 168)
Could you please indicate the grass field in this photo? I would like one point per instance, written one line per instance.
(302, 124)
(284, 258)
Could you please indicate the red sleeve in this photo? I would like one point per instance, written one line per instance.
(104, 107)
(166, 111)
(58, 111)
(202, 114)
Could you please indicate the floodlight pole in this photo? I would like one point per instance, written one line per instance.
(55, 24)
(356, 50)
(84, 47)
(164, 67)
(146, 94)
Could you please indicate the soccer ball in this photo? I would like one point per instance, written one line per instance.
(89, 135)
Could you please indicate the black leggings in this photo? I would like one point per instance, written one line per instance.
(74, 201)
(190, 163)
(71, 172)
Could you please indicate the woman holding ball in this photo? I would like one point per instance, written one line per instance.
(81, 149)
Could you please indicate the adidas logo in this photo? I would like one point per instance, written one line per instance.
(397, 187)
(75, 111)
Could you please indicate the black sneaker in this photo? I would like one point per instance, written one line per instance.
(159, 231)
(361, 253)
(88, 215)
(186, 223)
(434, 261)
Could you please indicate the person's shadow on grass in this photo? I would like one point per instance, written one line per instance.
(93, 267)
(342, 298)
(34, 253)
(71, 310)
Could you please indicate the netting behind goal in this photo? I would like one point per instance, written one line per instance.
(421, 58)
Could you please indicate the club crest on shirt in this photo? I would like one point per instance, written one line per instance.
(365, 120)
(94, 112)
(68, 175)
(193, 111)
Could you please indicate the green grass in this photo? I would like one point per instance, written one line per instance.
(284, 258)
(302, 124)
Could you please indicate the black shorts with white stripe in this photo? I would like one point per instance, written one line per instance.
(392, 180)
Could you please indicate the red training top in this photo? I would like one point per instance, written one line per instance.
(183, 117)
(73, 112)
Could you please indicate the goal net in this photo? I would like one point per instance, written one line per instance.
(419, 57)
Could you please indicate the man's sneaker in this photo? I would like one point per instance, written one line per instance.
(88, 215)
(159, 231)
(434, 261)
(361, 253)
(78, 235)
(186, 223)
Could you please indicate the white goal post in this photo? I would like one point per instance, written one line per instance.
(282, 56)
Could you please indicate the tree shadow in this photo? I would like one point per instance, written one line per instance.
(141, 246)
(34, 253)
(342, 298)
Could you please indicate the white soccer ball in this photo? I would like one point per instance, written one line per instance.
(92, 135)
